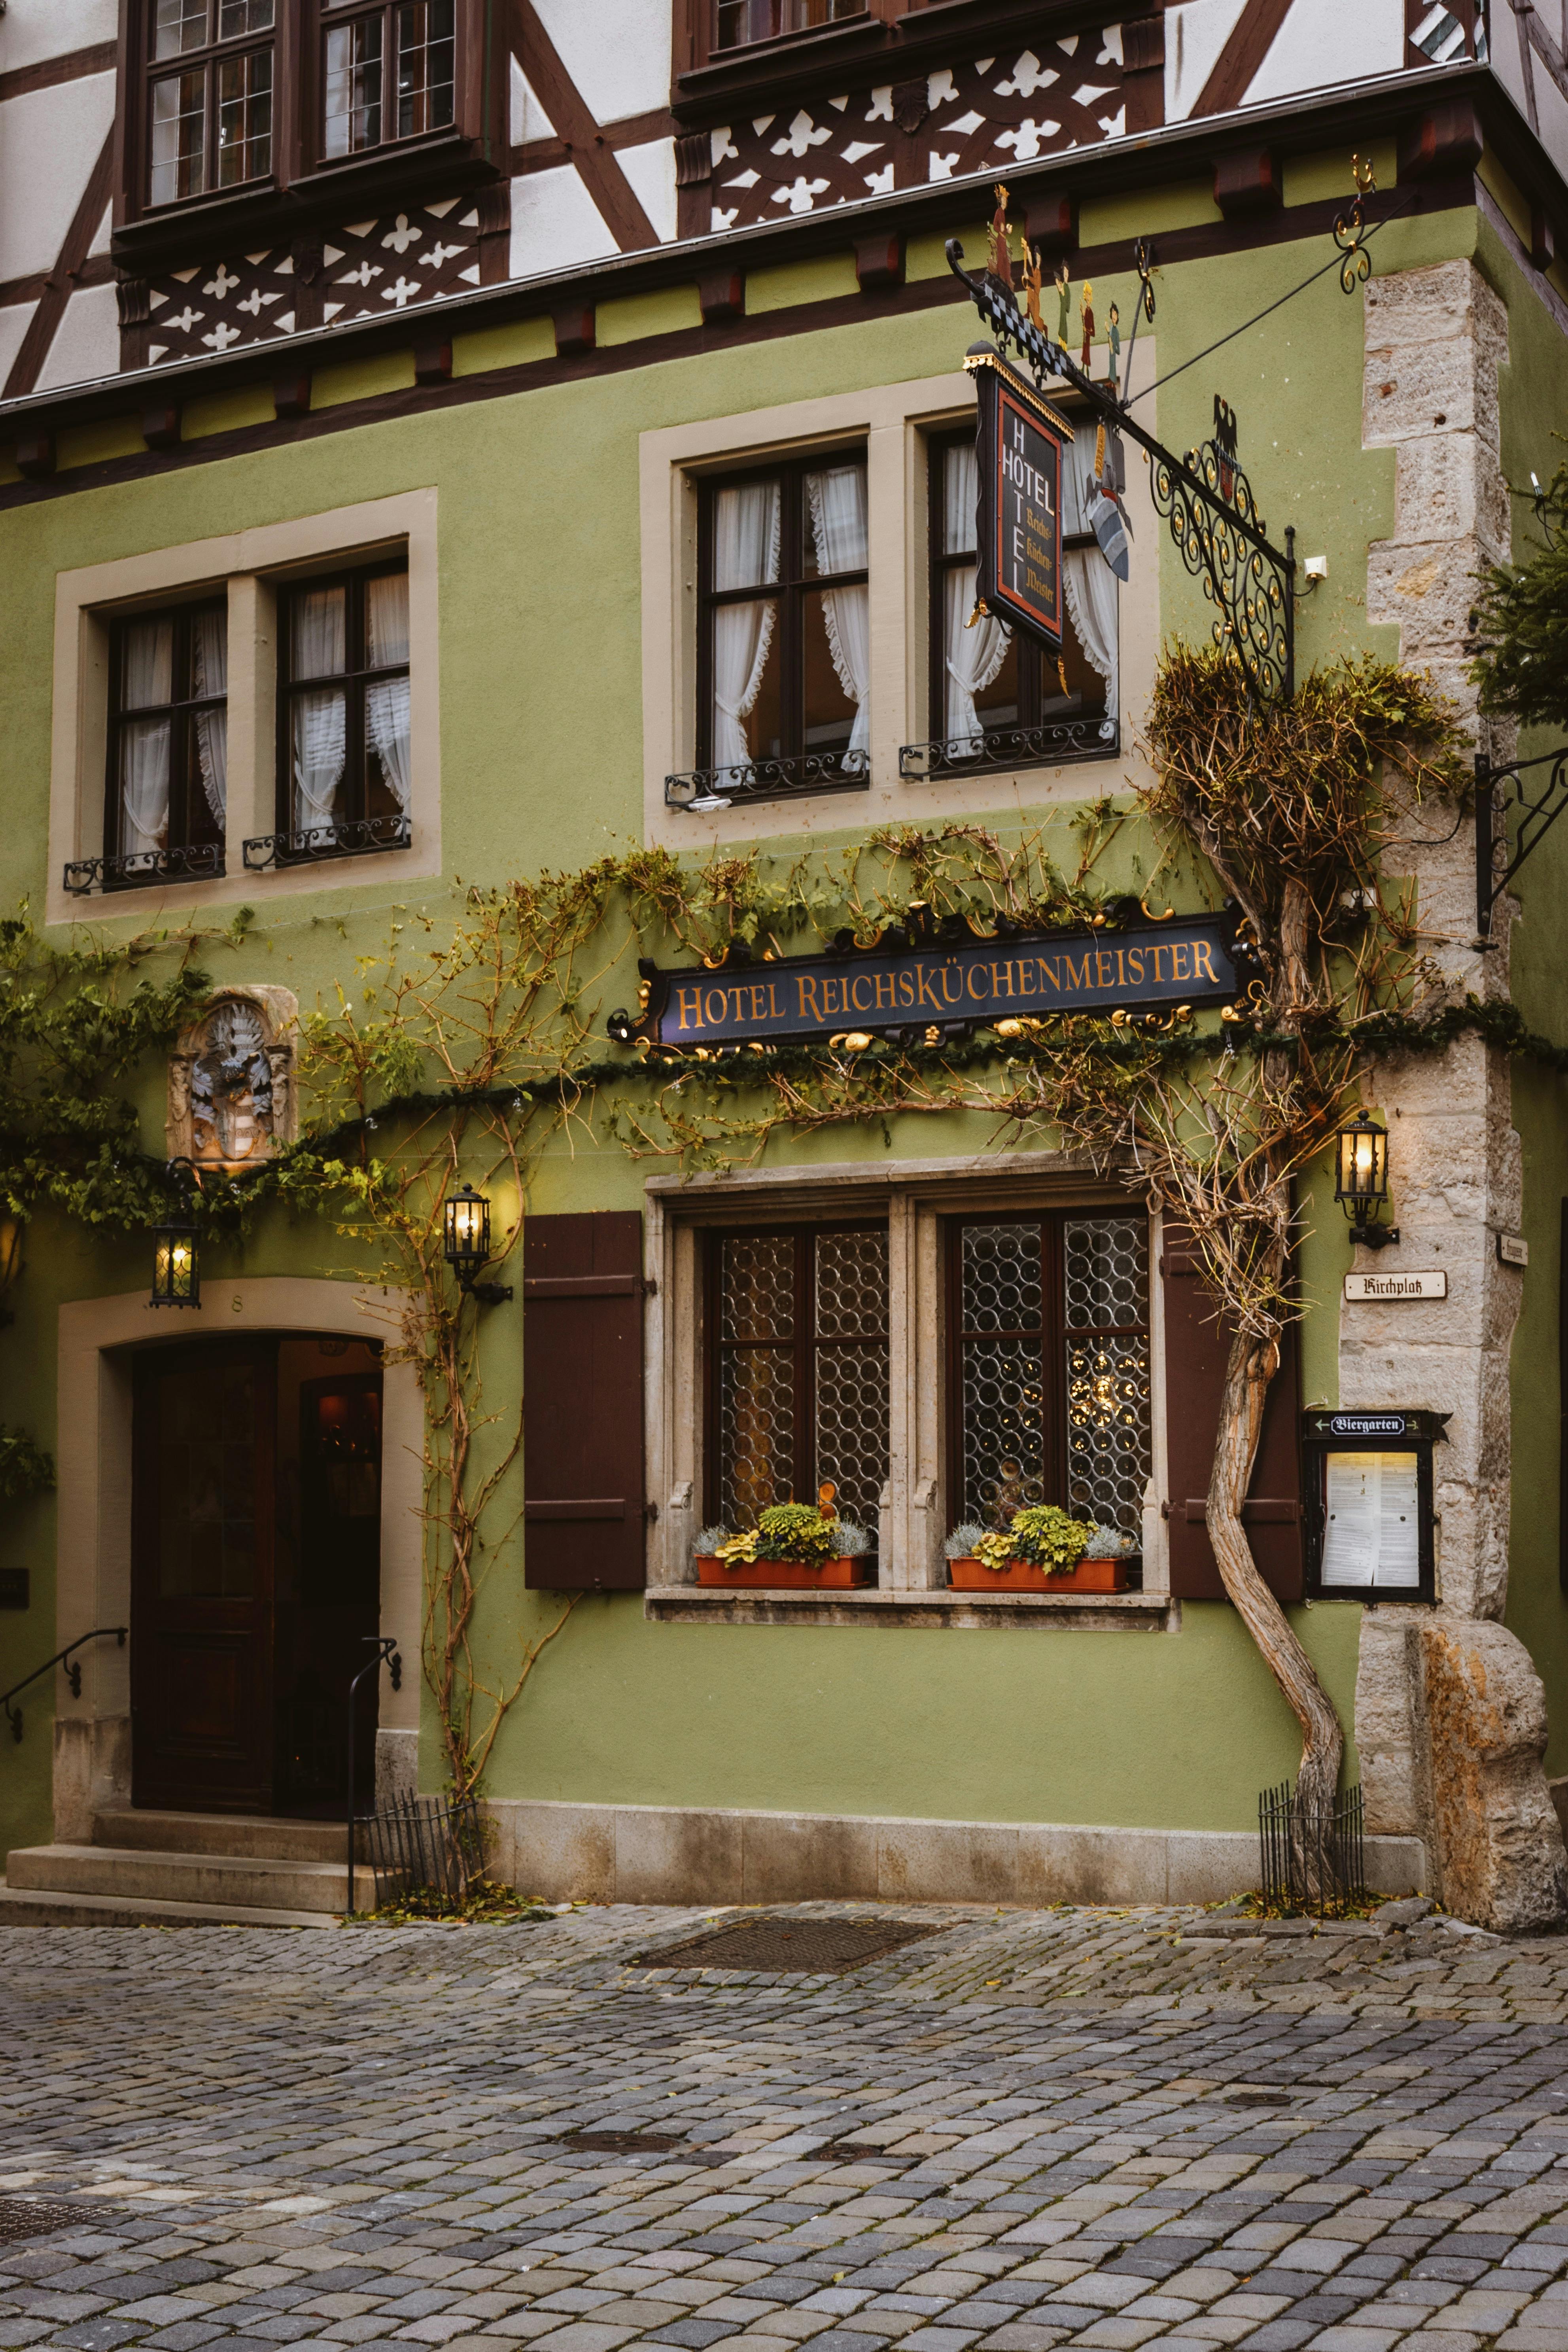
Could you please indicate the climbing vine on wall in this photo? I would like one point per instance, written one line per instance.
(463, 1047)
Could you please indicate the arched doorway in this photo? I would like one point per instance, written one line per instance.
(256, 1566)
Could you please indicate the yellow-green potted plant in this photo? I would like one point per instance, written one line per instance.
(793, 1545)
(1043, 1550)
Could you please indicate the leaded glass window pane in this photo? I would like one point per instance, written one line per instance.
(799, 1394)
(1106, 1271)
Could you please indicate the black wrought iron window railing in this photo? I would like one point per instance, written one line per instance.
(204, 862)
(701, 789)
(1054, 741)
(314, 842)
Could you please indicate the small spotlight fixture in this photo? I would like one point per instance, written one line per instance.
(467, 1245)
(1362, 1185)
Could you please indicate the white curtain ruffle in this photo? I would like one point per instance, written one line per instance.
(1089, 582)
(320, 716)
(837, 499)
(973, 657)
(210, 657)
(745, 556)
(148, 679)
(386, 702)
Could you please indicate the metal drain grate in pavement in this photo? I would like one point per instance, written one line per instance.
(35, 2216)
(812, 1947)
(614, 2143)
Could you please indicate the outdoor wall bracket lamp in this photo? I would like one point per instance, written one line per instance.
(177, 1263)
(466, 1238)
(1361, 1184)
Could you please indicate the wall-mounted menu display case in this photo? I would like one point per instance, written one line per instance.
(1367, 1502)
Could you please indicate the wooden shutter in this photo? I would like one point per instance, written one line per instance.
(585, 1511)
(1197, 1344)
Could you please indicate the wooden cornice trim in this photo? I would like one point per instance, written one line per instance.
(65, 277)
(1231, 76)
(47, 73)
(585, 362)
(588, 146)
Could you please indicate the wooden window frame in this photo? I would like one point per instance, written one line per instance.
(354, 579)
(475, 138)
(697, 27)
(205, 59)
(1033, 660)
(790, 591)
(804, 1347)
(185, 790)
(1053, 1337)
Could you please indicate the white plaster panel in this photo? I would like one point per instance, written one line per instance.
(49, 142)
(87, 342)
(554, 223)
(1324, 41)
(618, 52)
(1196, 33)
(101, 236)
(529, 120)
(34, 29)
(12, 327)
(651, 171)
(1552, 110)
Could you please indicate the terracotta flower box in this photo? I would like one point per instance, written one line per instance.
(784, 1575)
(1023, 1576)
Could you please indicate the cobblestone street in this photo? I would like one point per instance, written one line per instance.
(1020, 2130)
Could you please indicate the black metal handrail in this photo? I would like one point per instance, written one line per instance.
(389, 1655)
(1054, 741)
(362, 835)
(73, 1672)
(201, 862)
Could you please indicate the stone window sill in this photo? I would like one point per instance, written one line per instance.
(889, 1605)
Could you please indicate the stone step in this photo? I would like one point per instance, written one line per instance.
(26, 1907)
(257, 1882)
(237, 1835)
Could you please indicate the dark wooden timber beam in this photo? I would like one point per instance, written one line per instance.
(587, 146)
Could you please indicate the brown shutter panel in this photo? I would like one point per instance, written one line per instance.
(1196, 1345)
(583, 1403)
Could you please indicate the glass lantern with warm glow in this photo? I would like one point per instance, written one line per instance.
(176, 1273)
(1363, 1166)
(467, 1235)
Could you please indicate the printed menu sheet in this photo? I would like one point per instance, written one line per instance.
(1371, 1525)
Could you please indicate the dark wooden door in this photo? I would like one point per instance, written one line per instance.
(203, 1526)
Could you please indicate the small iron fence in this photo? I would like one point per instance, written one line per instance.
(1313, 1859)
(422, 1846)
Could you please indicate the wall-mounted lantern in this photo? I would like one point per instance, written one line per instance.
(467, 1222)
(176, 1268)
(1361, 1185)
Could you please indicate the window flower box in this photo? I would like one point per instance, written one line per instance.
(972, 1575)
(784, 1575)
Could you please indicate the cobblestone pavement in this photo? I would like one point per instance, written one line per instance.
(1022, 2130)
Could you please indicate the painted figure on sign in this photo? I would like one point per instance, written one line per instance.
(1063, 303)
(1086, 306)
(1001, 260)
(1032, 287)
(1113, 336)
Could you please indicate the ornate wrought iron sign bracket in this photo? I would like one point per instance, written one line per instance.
(1205, 496)
(1540, 801)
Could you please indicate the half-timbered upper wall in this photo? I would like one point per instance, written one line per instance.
(584, 128)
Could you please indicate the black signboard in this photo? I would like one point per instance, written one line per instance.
(1022, 443)
(903, 992)
(1368, 1516)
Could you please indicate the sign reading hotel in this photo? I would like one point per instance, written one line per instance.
(1022, 441)
(905, 994)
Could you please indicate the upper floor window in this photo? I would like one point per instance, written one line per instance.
(168, 744)
(739, 21)
(343, 765)
(389, 72)
(996, 700)
(209, 96)
(784, 649)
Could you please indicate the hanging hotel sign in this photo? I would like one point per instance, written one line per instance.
(1021, 444)
(909, 993)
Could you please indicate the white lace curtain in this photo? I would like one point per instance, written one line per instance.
(837, 499)
(973, 657)
(745, 556)
(209, 660)
(320, 715)
(1087, 580)
(386, 702)
(147, 680)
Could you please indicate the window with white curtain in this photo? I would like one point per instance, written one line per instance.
(167, 783)
(995, 698)
(785, 666)
(345, 772)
